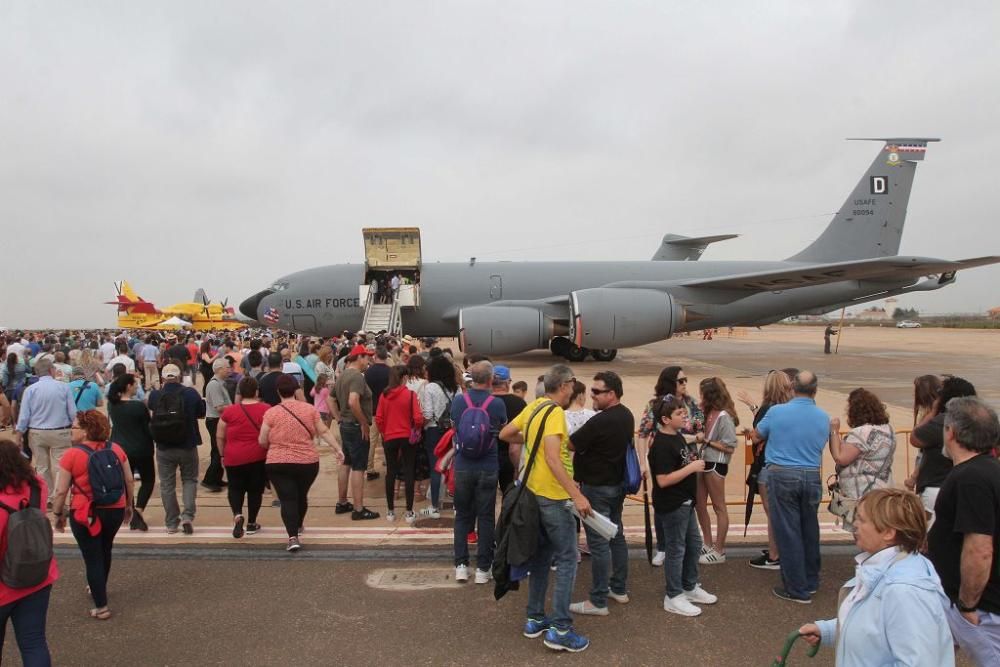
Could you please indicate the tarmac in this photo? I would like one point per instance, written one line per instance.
(207, 599)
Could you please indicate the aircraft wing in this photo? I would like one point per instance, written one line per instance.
(889, 269)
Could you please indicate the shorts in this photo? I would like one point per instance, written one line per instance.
(355, 448)
(720, 469)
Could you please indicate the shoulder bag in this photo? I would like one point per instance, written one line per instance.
(416, 434)
(844, 507)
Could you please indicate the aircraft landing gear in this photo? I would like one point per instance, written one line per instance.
(604, 355)
(564, 347)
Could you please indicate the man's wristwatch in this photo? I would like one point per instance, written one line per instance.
(962, 608)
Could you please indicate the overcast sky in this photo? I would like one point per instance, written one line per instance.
(221, 145)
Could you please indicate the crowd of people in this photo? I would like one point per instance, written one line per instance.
(560, 461)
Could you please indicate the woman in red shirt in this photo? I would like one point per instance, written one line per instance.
(26, 607)
(397, 416)
(242, 455)
(93, 526)
(288, 434)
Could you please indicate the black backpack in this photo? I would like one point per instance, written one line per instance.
(168, 424)
(28, 557)
(105, 474)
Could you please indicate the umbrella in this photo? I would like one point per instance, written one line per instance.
(649, 528)
(755, 467)
(782, 660)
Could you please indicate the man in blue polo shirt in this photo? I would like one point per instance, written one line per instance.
(796, 434)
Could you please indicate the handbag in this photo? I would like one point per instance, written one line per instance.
(416, 433)
(843, 506)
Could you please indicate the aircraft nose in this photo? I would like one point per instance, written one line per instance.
(249, 306)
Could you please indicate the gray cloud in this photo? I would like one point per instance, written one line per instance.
(186, 146)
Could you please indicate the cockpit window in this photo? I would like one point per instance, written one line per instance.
(279, 286)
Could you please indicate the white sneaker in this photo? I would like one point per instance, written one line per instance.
(431, 512)
(658, 558)
(587, 608)
(680, 605)
(410, 517)
(390, 516)
(462, 573)
(712, 557)
(699, 595)
(620, 599)
(482, 576)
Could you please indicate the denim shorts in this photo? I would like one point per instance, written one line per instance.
(355, 448)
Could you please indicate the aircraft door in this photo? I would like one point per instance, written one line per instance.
(304, 323)
(496, 287)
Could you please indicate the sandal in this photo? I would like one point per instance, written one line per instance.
(102, 614)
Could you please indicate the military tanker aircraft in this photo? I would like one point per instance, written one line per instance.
(581, 309)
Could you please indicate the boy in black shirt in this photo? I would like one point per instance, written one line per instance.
(673, 464)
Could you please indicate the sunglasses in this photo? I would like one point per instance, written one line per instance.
(598, 392)
(682, 380)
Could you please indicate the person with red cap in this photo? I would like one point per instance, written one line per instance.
(354, 414)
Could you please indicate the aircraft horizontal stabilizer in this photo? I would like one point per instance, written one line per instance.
(677, 248)
(885, 268)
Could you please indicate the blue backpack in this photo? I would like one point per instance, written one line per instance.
(473, 438)
(104, 471)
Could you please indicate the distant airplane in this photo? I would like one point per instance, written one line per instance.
(594, 308)
(200, 314)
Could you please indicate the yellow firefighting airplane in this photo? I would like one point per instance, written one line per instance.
(200, 314)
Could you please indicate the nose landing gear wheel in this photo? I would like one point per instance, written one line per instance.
(604, 355)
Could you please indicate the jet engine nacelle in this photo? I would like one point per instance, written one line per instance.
(499, 330)
(612, 317)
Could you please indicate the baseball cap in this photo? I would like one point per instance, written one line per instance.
(360, 350)
(501, 374)
(171, 371)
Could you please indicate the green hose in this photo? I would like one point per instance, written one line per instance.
(782, 659)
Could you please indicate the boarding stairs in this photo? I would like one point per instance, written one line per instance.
(383, 316)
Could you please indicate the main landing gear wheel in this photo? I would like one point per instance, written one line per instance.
(604, 355)
(576, 354)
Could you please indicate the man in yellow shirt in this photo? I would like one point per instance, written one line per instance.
(551, 480)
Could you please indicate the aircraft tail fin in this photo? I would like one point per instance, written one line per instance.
(200, 297)
(677, 248)
(126, 291)
(870, 222)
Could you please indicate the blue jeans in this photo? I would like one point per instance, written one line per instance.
(558, 543)
(28, 615)
(475, 502)
(431, 437)
(683, 546)
(608, 560)
(793, 495)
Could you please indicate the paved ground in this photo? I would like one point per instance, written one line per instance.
(295, 610)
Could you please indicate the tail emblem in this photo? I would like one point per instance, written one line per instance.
(893, 160)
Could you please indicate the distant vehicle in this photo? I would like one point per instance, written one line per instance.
(908, 324)
(579, 309)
